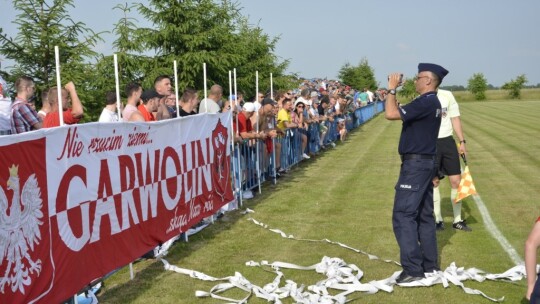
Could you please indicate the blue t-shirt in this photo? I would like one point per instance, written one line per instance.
(421, 121)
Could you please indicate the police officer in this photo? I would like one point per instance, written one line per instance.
(412, 217)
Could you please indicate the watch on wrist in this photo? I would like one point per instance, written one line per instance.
(463, 141)
(392, 91)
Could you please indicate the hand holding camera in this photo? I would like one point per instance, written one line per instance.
(395, 80)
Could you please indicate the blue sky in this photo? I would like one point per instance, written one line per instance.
(494, 37)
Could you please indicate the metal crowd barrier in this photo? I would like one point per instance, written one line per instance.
(254, 162)
(256, 159)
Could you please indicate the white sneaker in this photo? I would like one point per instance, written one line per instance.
(333, 144)
(305, 156)
(247, 194)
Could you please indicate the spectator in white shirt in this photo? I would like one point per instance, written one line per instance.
(109, 112)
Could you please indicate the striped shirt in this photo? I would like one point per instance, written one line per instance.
(23, 117)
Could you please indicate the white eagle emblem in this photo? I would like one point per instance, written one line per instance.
(19, 231)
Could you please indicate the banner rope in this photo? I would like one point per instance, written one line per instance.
(340, 276)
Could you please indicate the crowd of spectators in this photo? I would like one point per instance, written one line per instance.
(265, 128)
(267, 119)
(270, 120)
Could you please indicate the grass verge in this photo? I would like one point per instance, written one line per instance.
(346, 195)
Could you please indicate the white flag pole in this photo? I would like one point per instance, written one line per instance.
(257, 163)
(118, 103)
(176, 89)
(239, 166)
(271, 87)
(59, 86)
(131, 275)
(273, 139)
(204, 80)
(231, 109)
(237, 103)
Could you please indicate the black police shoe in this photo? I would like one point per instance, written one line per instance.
(405, 278)
(439, 226)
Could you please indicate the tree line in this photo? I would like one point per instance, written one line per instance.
(362, 76)
(192, 32)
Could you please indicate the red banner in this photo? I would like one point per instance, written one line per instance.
(77, 202)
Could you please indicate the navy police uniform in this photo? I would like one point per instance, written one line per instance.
(412, 216)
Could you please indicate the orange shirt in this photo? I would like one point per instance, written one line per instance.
(147, 115)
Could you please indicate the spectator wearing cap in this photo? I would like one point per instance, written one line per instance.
(133, 92)
(266, 125)
(211, 103)
(318, 120)
(325, 115)
(70, 115)
(412, 216)
(150, 103)
(244, 127)
(109, 111)
(188, 102)
(265, 112)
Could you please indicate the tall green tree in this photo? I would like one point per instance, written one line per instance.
(408, 90)
(478, 86)
(360, 76)
(256, 50)
(130, 61)
(43, 25)
(194, 32)
(514, 86)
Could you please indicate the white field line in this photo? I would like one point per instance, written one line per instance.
(495, 232)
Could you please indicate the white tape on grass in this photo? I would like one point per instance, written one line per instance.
(495, 232)
(342, 280)
(452, 273)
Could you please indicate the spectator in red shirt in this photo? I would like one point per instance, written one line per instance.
(71, 115)
(244, 125)
(150, 103)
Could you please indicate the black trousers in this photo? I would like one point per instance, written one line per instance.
(412, 218)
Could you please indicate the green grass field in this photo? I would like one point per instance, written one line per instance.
(346, 195)
(499, 95)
